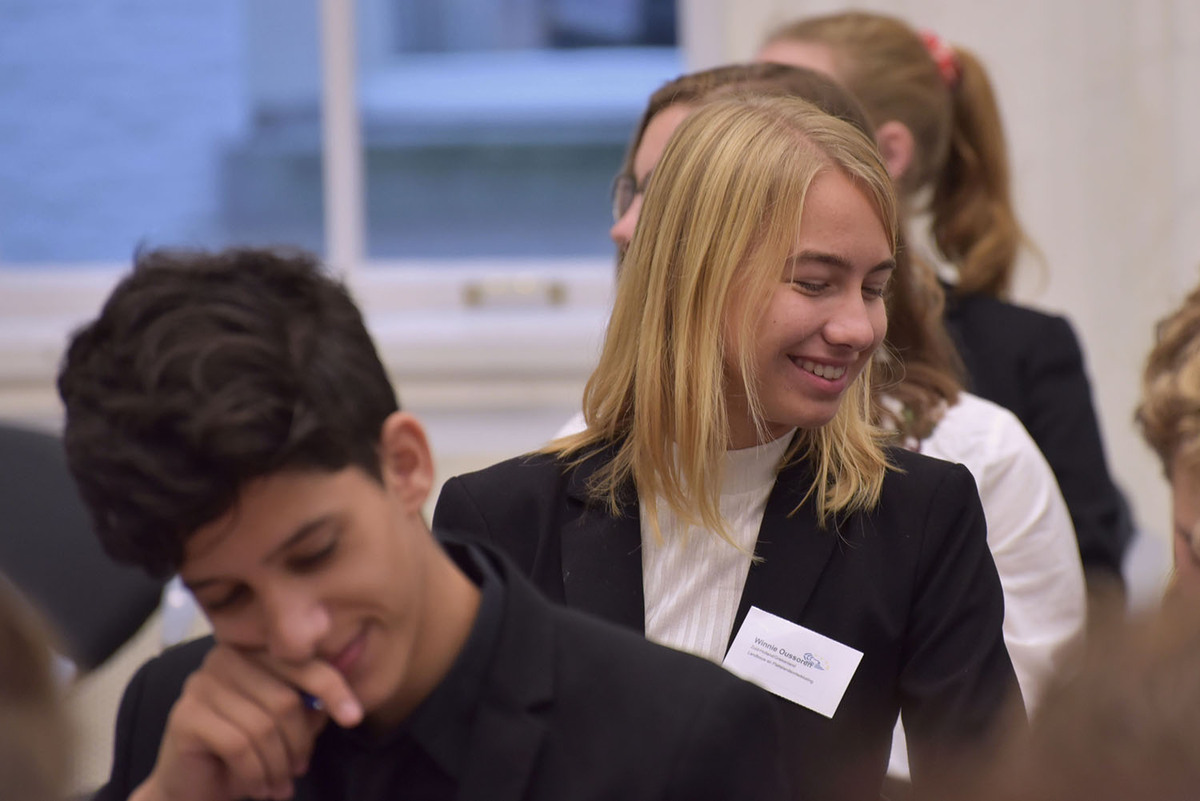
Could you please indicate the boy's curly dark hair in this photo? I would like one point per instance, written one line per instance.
(204, 371)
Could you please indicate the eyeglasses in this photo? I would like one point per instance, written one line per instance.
(625, 188)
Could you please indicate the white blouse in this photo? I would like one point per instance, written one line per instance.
(693, 579)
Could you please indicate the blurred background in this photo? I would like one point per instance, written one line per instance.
(453, 158)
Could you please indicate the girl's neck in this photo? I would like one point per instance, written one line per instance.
(748, 435)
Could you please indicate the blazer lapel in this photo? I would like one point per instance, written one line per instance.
(509, 730)
(602, 554)
(507, 744)
(793, 552)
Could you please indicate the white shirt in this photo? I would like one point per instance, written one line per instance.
(1029, 534)
(693, 579)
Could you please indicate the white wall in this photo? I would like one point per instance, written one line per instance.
(1099, 102)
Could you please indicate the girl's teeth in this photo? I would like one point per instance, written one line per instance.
(824, 371)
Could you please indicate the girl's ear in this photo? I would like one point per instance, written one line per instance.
(406, 460)
(896, 145)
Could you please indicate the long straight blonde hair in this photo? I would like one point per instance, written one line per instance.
(717, 225)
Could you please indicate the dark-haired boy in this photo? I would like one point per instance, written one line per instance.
(228, 418)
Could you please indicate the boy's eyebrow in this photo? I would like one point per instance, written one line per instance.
(297, 536)
(834, 260)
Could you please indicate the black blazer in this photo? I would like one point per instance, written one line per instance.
(912, 585)
(573, 708)
(1030, 363)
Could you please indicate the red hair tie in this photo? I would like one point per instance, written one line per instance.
(944, 56)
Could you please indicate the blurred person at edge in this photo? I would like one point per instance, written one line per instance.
(1169, 417)
(35, 735)
(1123, 723)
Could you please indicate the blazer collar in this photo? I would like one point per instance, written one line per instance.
(792, 551)
(508, 733)
(602, 553)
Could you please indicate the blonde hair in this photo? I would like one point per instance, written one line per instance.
(1169, 412)
(926, 374)
(717, 224)
(960, 150)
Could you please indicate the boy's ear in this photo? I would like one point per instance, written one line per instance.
(406, 460)
(896, 145)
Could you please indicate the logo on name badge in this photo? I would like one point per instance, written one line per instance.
(813, 661)
(793, 662)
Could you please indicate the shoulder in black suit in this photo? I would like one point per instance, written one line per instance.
(912, 585)
(573, 708)
(1030, 362)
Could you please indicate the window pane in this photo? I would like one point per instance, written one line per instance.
(127, 122)
(494, 128)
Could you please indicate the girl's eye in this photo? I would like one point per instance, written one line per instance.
(810, 287)
(875, 291)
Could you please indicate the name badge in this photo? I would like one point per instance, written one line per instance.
(791, 661)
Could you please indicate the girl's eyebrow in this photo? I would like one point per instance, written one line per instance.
(834, 260)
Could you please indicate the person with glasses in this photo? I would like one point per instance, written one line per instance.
(918, 397)
(675, 99)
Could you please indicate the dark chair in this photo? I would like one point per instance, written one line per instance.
(48, 550)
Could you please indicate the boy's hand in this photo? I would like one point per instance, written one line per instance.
(242, 729)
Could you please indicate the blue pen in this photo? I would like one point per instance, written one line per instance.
(311, 701)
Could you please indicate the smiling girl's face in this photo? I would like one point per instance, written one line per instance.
(824, 319)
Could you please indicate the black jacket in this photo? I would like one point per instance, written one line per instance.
(573, 708)
(912, 585)
(1030, 363)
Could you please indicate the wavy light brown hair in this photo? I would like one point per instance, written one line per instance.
(1169, 412)
(718, 219)
(960, 150)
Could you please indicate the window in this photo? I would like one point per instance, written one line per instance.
(490, 131)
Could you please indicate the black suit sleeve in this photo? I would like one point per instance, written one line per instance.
(457, 515)
(1062, 420)
(734, 751)
(957, 680)
(1031, 363)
